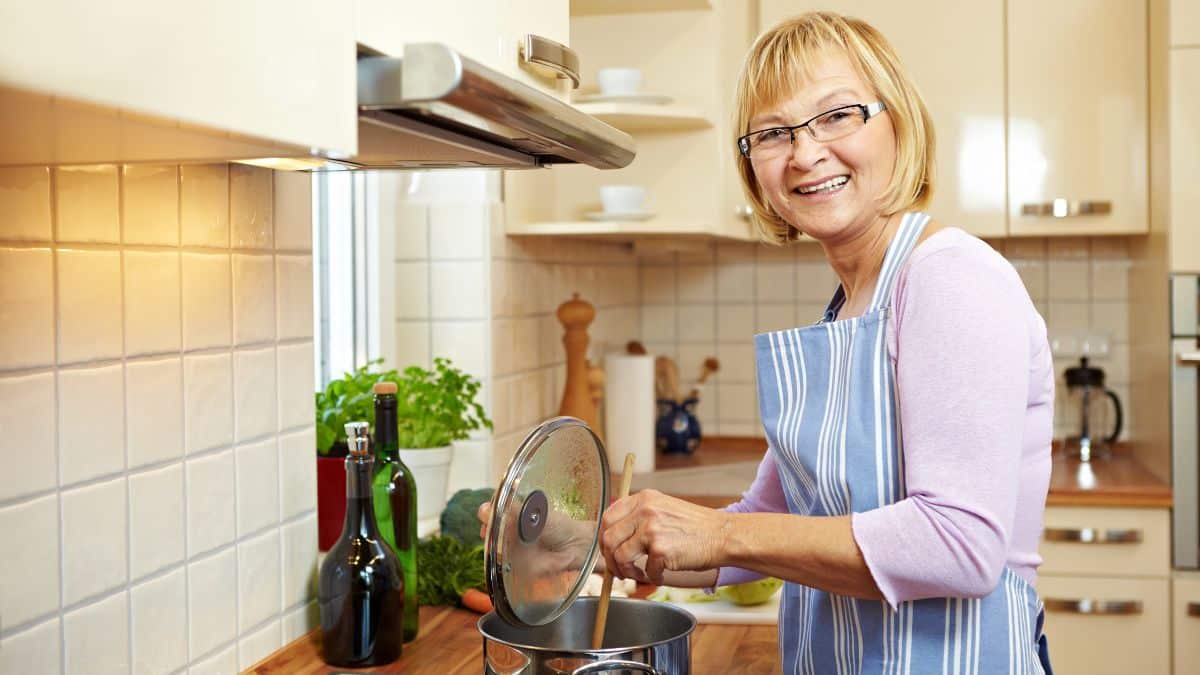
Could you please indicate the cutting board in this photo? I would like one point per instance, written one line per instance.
(721, 611)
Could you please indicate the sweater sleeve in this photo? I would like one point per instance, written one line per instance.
(764, 495)
(962, 351)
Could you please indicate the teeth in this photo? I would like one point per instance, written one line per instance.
(828, 185)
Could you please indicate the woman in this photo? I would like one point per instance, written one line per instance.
(903, 553)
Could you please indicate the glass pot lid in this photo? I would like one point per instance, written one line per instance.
(543, 537)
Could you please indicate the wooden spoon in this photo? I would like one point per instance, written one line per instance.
(602, 606)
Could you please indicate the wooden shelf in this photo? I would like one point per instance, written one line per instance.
(594, 7)
(618, 230)
(645, 117)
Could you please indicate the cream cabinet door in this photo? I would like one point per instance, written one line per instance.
(1185, 617)
(276, 70)
(1185, 160)
(1185, 23)
(1077, 116)
(490, 32)
(955, 54)
(1131, 636)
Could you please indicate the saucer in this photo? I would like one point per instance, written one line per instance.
(651, 99)
(619, 215)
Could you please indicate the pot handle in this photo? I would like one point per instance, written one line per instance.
(601, 666)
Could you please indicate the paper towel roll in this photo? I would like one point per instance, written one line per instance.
(629, 409)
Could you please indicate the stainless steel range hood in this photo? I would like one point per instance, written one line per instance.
(436, 108)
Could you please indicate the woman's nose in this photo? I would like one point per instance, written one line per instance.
(806, 152)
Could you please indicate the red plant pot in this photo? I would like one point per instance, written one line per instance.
(331, 500)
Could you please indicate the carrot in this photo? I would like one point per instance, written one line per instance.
(476, 601)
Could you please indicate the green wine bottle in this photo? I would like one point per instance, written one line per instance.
(395, 493)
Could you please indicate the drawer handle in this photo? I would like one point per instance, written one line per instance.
(547, 53)
(1092, 535)
(1065, 208)
(1193, 609)
(1189, 358)
(1094, 607)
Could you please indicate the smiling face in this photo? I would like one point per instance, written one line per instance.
(830, 191)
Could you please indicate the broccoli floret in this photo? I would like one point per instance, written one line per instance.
(459, 519)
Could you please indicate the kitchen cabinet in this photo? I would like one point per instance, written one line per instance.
(964, 94)
(1105, 581)
(689, 52)
(1185, 160)
(1077, 117)
(152, 81)
(1185, 23)
(1185, 621)
(492, 33)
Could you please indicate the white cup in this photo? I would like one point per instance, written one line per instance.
(619, 81)
(622, 198)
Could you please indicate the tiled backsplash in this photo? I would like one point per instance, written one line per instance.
(708, 303)
(156, 417)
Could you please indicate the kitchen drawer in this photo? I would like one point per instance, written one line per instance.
(1185, 619)
(1146, 554)
(1133, 637)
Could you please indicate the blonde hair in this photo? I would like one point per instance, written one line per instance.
(785, 56)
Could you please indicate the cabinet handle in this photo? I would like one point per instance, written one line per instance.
(547, 53)
(744, 211)
(1064, 208)
(1095, 607)
(1193, 609)
(1189, 358)
(1092, 535)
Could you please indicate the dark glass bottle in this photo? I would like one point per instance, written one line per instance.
(395, 493)
(361, 586)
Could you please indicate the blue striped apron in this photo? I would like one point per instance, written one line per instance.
(828, 402)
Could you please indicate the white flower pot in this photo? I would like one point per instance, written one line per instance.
(431, 470)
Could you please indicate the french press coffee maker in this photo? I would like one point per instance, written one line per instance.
(1094, 430)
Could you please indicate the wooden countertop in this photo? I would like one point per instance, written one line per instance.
(449, 644)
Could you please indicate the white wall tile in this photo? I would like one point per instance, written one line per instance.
(26, 308)
(28, 417)
(697, 283)
(1067, 247)
(464, 343)
(86, 199)
(159, 613)
(458, 290)
(808, 314)
(211, 509)
(658, 323)
(251, 213)
(774, 282)
(32, 651)
(206, 300)
(220, 663)
(297, 472)
(1110, 279)
(297, 406)
(412, 343)
(815, 282)
(29, 567)
(257, 486)
(152, 305)
(1067, 318)
(412, 231)
(253, 298)
(295, 296)
(300, 621)
(208, 401)
(733, 321)
(293, 210)
(457, 231)
(1033, 274)
(25, 203)
(259, 580)
(91, 422)
(1111, 317)
(150, 204)
(774, 316)
(1068, 280)
(658, 284)
(204, 204)
(737, 402)
(697, 323)
(212, 602)
(299, 543)
(93, 539)
(97, 637)
(259, 644)
(735, 282)
(156, 519)
(154, 410)
(254, 393)
(412, 290)
(737, 362)
(89, 305)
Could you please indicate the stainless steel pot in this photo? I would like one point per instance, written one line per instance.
(642, 636)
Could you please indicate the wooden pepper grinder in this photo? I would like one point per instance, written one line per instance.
(575, 315)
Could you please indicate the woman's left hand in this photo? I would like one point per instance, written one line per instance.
(670, 533)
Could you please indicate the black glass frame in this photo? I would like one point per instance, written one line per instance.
(867, 110)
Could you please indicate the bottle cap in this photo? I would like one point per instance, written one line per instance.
(358, 438)
(384, 388)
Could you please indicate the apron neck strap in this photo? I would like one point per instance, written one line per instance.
(912, 224)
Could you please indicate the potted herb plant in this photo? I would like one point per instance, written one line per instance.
(433, 409)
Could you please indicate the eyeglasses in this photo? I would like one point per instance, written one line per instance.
(831, 125)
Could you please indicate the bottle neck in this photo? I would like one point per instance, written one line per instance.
(387, 442)
(360, 513)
